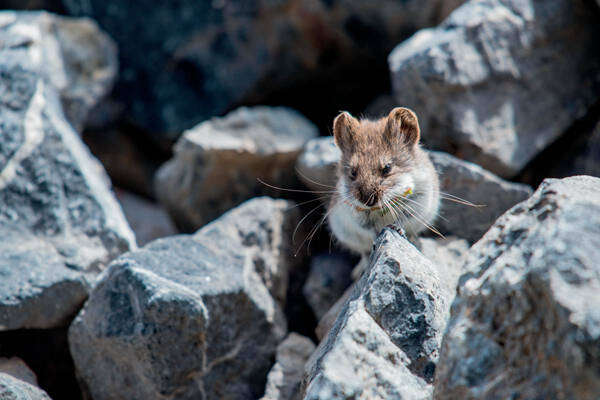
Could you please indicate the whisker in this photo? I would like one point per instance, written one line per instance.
(320, 198)
(294, 190)
(312, 180)
(418, 217)
(302, 220)
(437, 214)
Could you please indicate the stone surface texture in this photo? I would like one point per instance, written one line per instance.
(189, 317)
(498, 81)
(385, 342)
(316, 167)
(217, 164)
(284, 379)
(59, 221)
(12, 388)
(525, 322)
(72, 54)
(202, 59)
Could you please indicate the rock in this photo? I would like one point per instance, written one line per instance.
(327, 280)
(449, 254)
(59, 222)
(17, 368)
(283, 382)
(148, 220)
(202, 59)
(317, 163)
(499, 81)
(385, 342)
(470, 182)
(525, 320)
(189, 316)
(72, 55)
(262, 228)
(217, 164)
(577, 152)
(15, 389)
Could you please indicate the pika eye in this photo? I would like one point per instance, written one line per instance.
(386, 169)
(353, 173)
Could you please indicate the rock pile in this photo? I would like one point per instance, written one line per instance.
(505, 305)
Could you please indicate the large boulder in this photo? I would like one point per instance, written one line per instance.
(12, 388)
(72, 54)
(525, 322)
(385, 342)
(189, 317)
(498, 81)
(217, 164)
(59, 221)
(461, 182)
(184, 62)
(285, 378)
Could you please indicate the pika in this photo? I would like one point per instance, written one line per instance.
(384, 178)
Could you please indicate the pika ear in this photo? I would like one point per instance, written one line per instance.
(403, 124)
(344, 126)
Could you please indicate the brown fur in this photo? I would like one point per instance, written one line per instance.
(368, 145)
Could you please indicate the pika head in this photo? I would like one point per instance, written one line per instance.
(378, 156)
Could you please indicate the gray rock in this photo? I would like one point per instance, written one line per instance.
(317, 164)
(188, 317)
(470, 182)
(148, 220)
(328, 278)
(217, 164)
(17, 368)
(525, 322)
(72, 54)
(59, 221)
(577, 152)
(201, 59)
(448, 255)
(316, 168)
(15, 389)
(385, 342)
(262, 228)
(284, 379)
(498, 81)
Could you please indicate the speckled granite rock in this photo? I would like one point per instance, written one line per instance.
(525, 320)
(15, 389)
(385, 342)
(190, 317)
(59, 221)
(498, 81)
